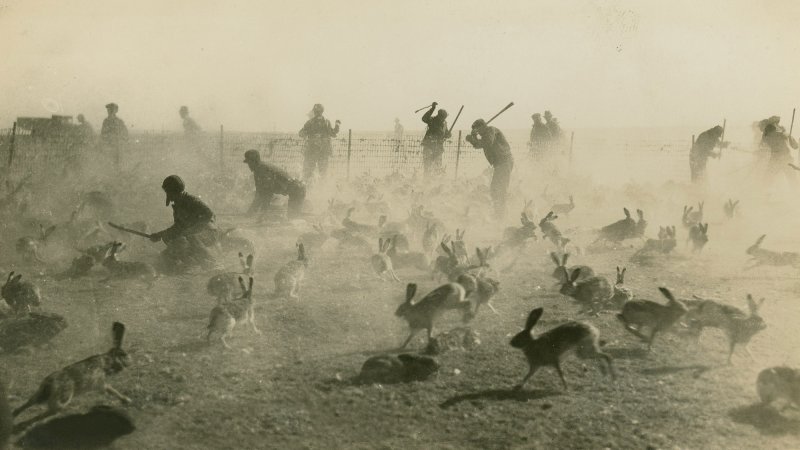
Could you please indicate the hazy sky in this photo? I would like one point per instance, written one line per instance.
(263, 64)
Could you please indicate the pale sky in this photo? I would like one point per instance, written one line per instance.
(257, 65)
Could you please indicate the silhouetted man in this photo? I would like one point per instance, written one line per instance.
(114, 133)
(780, 155)
(703, 149)
(433, 141)
(270, 180)
(318, 133)
(540, 136)
(498, 154)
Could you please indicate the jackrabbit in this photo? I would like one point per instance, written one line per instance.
(763, 257)
(289, 278)
(21, 296)
(58, 388)
(424, 312)
(739, 326)
(547, 348)
(590, 292)
(637, 314)
(730, 208)
(698, 236)
(225, 316)
(562, 275)
(382, 263)
(127, 269)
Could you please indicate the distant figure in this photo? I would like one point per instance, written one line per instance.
(271, 180)
(553, 126)
(85, 132)
(703, 149)
(318, 133)
(762, 149)
(190, 127)
(398, 129)
(433, 141)
(114, 133)
(193, 231)
(540, 136)
(780, 155)
(498, 153)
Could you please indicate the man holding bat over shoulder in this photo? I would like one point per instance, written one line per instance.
(498, 153)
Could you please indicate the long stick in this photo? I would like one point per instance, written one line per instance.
(128, 230)
(501, 112)
(722, 138)
(791, 126)
(424, 107)
(455, 120)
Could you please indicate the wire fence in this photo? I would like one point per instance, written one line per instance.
(613, 159)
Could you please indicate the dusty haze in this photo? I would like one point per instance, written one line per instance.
(261, 65)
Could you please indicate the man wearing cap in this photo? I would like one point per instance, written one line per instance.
(190, 127)
(498, 153)
(270, 180)
(703, 149)
(433, 141)
(114, 133)
(780, 156)
(552, 126)
(318, 133)
(540, 136)
(193, 229)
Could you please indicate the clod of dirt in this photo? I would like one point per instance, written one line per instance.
(461, 338)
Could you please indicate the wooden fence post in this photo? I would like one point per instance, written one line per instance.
(222, 148)
(458, 152)
(571, 142)
(349, 149)
(11, 145)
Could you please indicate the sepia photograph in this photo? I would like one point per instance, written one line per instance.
(416, 224)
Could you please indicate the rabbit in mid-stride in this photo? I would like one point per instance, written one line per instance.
(779, 383)
(763, 257)
(290, 277)
(58, 388)
(551, 231)
(547, 348)
(20, 295)
(739, 326)
(225, 316)
(637, 314)
(222, 286)
(421, 314)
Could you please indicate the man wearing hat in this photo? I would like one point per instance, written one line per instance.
(113, 133)
(540, 136)
(703, 149)
(498, 153)
(193, 230)
(318, 133)
(270, 180)
(433, 141)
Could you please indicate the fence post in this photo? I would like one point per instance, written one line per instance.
(11, 145)
(458, 152)
(571, 142)
(349, 148)
(221, 148)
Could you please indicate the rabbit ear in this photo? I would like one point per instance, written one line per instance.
(627, 213)
(575, 274)
(554, 257)
(618, 271)
(380, 245)
(242, 261)
(759, 240)
(623, 271)
(241, 285)
(445, 248)
(16, 278)
(250, 260)
(117, 333)
(640, 213)
(705, 228)
(301, 252)
(735, 203)
(533, 317)
(250, 287)
(667, 294)
(411, 291)
(479, 252)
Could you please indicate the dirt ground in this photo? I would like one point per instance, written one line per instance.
(291, 387)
